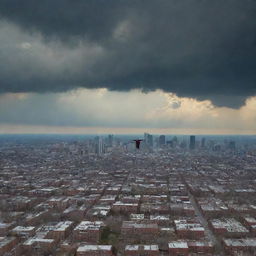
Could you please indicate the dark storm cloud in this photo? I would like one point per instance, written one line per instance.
(195, 48)
(65, 18)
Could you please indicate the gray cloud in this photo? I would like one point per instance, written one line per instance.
(80, 108)
(194, 48)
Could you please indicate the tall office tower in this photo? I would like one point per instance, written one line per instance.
(99, 147)
(174, 142)
(203, 143)
(161, 140)
(148, 139)
(192, 142)
(110, 140)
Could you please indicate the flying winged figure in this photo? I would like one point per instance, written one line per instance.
(137, 142)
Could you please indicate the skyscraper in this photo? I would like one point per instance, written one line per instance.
(203, 143)
(148, 139)
(192, 142)
(99, 146)
(161, 140)
(110, 140)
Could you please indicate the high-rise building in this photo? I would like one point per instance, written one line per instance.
(161, 140)
(110, 140)
(148, 139)
(192, 142)
(203, 143)
(174, 142)
(99, 146)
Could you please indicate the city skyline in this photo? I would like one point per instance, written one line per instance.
(100, 195)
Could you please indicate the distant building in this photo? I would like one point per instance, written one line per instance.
(169, 143)
(161, 140)
(192, 142)
(183, 144)
(203, 143)
(148, 139)
(217, 147)
(175, 141)
(99, 147)
(110, 140)
(232, 145)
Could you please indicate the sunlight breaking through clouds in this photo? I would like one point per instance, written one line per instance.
(134, 109)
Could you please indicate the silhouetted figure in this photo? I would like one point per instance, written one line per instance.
(137, 143)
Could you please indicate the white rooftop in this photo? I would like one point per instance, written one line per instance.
(142, 247)
(178, 244)
(86, 248)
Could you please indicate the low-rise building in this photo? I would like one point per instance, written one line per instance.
(35, 246)
(60, 230)
(23, 232)
(125, 207)
(244, 245)
(5, 227)
(202, 247)
(131, 227)
(7, 243)
(228, 227)
(88, 231)
(35, 218)
(137, 217)
(95, 250)
(160, 219)
(188, 229)
(177, 248)
(142, 250)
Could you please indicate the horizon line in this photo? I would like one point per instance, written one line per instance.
(166, 134)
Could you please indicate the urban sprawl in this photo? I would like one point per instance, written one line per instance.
(101, 195)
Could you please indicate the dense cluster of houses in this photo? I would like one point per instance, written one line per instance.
(53, 202)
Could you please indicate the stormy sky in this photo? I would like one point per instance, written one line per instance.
(156, 64)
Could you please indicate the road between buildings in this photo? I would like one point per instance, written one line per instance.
(208, 232)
